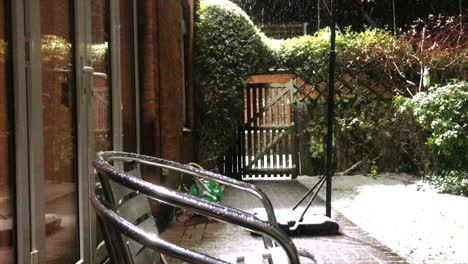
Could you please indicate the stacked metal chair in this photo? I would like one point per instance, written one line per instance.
(129, 229)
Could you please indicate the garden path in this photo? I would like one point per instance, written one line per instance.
(352, 245)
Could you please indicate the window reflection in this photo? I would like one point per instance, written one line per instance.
(7, 226)
(101, 96)
(59, 121)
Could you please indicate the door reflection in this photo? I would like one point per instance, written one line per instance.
(60, 123)
(7, 226)
(101, 95)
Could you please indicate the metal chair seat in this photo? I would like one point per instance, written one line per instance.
(132, 237)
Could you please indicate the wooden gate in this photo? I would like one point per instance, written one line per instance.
(267, 138)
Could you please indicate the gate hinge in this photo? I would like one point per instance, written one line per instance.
(35, 257)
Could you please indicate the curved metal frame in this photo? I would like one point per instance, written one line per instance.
(175, 166)
(151, 241)
(269, 230)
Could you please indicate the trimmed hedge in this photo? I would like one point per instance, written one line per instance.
(228, 48)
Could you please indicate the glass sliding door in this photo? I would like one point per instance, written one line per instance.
(60, 131)
(60, 103)
(7, 184)
(101, 83)
(102, 33)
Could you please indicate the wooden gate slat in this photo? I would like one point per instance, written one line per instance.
(254, 136)
(279, 161)
(294, 141)
(267, 148)
(274, 131)
(272, 103)
(267, 130)
(266, 141)
(280, 122)
(260, 123)
(286, 119)
(262, 171)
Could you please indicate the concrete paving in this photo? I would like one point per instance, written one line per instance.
(351, 245)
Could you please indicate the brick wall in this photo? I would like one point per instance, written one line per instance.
(127, 76)
(171, 83)
(148, 86)
(166, 76)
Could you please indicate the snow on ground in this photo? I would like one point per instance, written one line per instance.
(405, 214)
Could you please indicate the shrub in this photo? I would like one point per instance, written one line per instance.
(453, 182)
(55, 51)
(443, 112)
(98, 56)
(228, 48)
(407, 135)
(370, 133)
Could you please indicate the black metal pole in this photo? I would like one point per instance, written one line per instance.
(309, 192)
(394, 17)
(301, 218)
(331, 114)
(318, 15)
(461, 13)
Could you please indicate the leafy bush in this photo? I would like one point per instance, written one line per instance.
(98, 56)
(409, 138)
(369, 133)
(443, 112)
(56, 51)
(228, 48)
(453, 182)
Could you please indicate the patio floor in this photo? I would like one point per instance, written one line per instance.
(351, 245)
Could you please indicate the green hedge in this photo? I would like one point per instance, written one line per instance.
(372, 55)
(228, 48)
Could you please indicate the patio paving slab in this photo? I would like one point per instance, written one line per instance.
(351, 245)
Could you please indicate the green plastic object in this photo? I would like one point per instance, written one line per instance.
(213, 190)
(426, 78)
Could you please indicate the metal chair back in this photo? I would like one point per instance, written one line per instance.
(133, 238)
